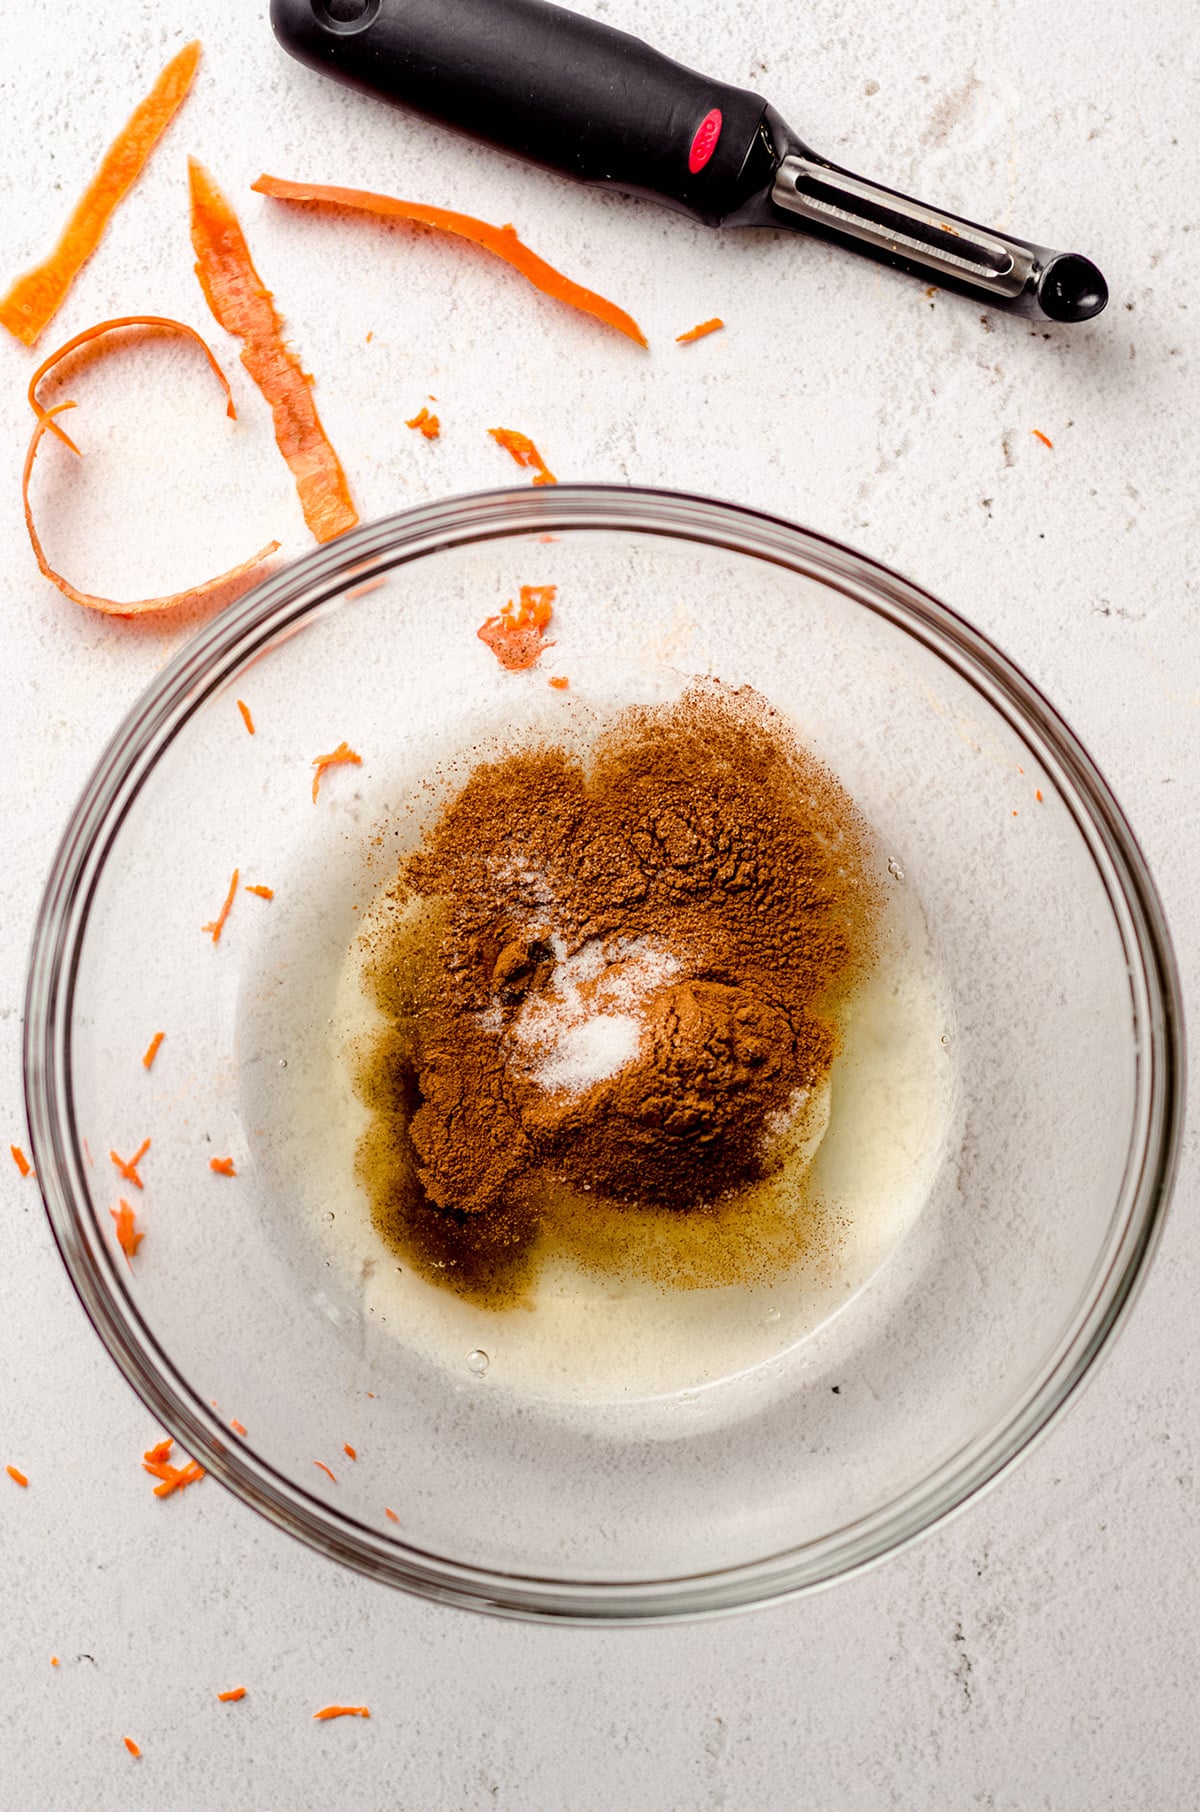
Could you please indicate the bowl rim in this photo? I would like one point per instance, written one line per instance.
(302, 587)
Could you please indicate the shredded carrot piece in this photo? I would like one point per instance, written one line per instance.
(218, 924)
(342, 755)
(235, 293)
(244, 708)
(128, 1237)
(17, 1476)
(238, 1427)
(560, 682)
(35, 298)
(349, 1451)
(324, 1468)
(391, 1516)
(226, 586)
(503, 242)
(1044, 438)
(222, 1166)
(132, 1747)
(152, 1049)
(426, 424)
(20, 1160)
(517, 636)
(54, 1660)
(128, 1167)
(174, 1478)
(159, 1454)
(264, 893)
(1038, 796)
(524, 452)
(700, 333)
(340, 1711)
(232, 1697)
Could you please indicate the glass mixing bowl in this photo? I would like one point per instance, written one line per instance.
(245, 1309)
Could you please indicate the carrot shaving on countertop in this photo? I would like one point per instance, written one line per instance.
(222, 1166)
(342, 756)
(340, 1711)
(244, 708)
(132, 1747)
(235, 293)
(152, 1050)
(324, 1468)
(524, 452)
(391, 1516)
(54, 1660)
(699, 333)
(217, 925)
(1038, 796)
(350, 1452)
(20, 1160)
(128, 1237)
(1044, 438)
(160, 1453)
(517, 636)
(174, 1478)
(425, 423)
(232, 1697)
(17, 1476)
(35, 298)
(238, 1427)
(560, 682)
(128, 1167)
(221, 590)
(264, 893)
(503, 242)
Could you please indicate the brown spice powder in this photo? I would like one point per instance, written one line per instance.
(702, 870)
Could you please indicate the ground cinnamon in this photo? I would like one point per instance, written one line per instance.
(608, 987)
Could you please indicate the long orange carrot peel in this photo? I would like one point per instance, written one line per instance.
(340, 1711)
(216, 926)
(152, 1050)
(35, 298)
(128, 1167)
(517, 636)
(221, 590)
(701, 332)
(128, 1236)
(235, 293)
(503, 242)
(322, 1467)
(425, 423)
(20, 1160)
(341, 757)
(524, 452)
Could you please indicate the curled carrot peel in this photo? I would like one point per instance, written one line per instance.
(264, 893)
(342, 756)
(425, 424)
(128, 1236)
(517, 636)
(320, 1464)
(232, 1697)
(340, 1711)
(217, 926)
(244, 708)
(524, 452)
(235, 293)
(132, 1747)
(152, 1049)
(128, 1167)
(503, 242)
(20, 1160)
(35, 298)
(226, 586)
(17, 1476)
(222, 1166)
(701, 332)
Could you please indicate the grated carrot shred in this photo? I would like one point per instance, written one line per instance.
(17, 1476)
(235, 293)
(426, 424)
(128, 1236)
(391, 1516)
(232, 1697)
(132, 1747)
(238, 1427)
(54, 1660)
(699, 333)
(340, 757)
(1044, 438)
(324, 1468)
(159, 1454)
(20, 1160)
(152, 1050)
(244, 708)
(517, 636)
(128, 1167)
(560, 682)
(1038, 796)
(218, 924)
(36, 298)
(503, 242)
(222, 1166)
(174, 1478)
(350, 1452)
(264, 893)
(340, 1711)
(524, 452)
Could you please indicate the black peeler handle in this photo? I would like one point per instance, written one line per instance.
(550, 86)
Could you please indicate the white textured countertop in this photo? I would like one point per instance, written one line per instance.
(1040, 1651)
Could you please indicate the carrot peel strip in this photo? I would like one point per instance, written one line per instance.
(391, 1516)
(17, 1476)
(244, 708)
(236, 295)
(226, 586)
(20, 1160)
(35, 298)
(320, 1464)
(524, 452)
(132, 1747)
(340, 757)
(217, 925)
(701, 332)
(232, 1697)
(340, 1711)
(503, 242)
(264, 893)
(152, 1049)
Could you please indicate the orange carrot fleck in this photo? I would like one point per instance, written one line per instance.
(20, 1160)
(160, 1453)
(232, 1697)
(152, 1049)
(132, 1747)
(701, 332)
(517, 636)
(235, 293)
(1038, 797)
(128, 1237)
(35, 298)
(426, 424)
(221, 590)
(391, 1516)
(244, 708)
(340, 1711)
(1044, 438)
(222, 1166)
(54, 1660)
(560, 682)
(218, 924)
(524, 452)
(324, 1468)
(264, 893)
(128, 1167)
(503, 242)
(174, 1478)
(238, 1427)
(342, 755)
(17, 1476)
(349, 1451)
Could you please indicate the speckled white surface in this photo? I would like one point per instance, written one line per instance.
(1038, 1653)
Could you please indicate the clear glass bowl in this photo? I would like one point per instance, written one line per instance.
(931, 1378)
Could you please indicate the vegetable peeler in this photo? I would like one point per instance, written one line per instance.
(582, 98)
